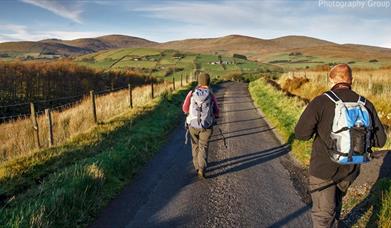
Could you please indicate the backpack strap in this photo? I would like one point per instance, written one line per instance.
(333, 97)
(362, 100)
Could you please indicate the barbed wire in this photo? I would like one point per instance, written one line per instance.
(63, 98)
(5, 119)
(19, 116)
(57, 108)
(41, 101)
(60, 99)
(14, 105)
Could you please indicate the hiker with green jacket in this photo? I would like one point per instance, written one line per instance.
(202, 109)
(345, 126)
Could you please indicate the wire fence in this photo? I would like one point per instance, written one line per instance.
(27, 133)
(54, 104)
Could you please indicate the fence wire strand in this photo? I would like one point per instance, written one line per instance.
(5, 119)
(79, 98)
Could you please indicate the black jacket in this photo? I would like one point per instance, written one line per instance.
(317, 119)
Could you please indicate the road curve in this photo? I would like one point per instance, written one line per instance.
(246, 185)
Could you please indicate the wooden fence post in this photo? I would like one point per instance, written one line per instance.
(152, 93)
(93, 106)
(187, 78)
(50, 126)
(35, 125)
(173, 82)
(181, 80)
(130, 96)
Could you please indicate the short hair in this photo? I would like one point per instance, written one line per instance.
(203, 79)
(341, 73)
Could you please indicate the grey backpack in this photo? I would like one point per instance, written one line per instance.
(351, 131)
(201, 109)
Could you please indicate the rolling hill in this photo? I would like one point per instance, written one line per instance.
(262, 49)
(72, 47)
(105, 42)
(250, 46)
(279, 50)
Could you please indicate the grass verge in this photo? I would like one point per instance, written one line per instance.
(283, 112)
(67, 185)
(382, 204)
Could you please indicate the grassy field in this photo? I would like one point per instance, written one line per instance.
(375, 85)
(165, 64)
(283, 112)
(291, 61)
(65, 186)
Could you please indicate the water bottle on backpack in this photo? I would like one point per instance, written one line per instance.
(351, 131)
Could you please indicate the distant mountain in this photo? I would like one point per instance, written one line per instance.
(261, 49)
(251, 46)
(254, 48)
(105, 42)
(29, 47)
(73, 47)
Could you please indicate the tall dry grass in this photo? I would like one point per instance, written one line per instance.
(17, 137)
(375, 85)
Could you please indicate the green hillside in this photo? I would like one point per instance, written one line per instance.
(165, 64)
(300, 60)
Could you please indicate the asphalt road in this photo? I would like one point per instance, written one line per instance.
(246, 184)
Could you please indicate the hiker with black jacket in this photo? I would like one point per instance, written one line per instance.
(345, 126)
(202, 109)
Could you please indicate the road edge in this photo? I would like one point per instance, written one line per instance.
(297, 174)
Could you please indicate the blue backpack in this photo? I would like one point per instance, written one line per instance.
(351, 131)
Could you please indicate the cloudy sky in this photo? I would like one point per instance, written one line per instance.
(356, 21)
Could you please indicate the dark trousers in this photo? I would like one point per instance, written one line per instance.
(327, 203)
(199, 146)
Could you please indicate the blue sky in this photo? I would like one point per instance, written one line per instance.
(356, 21)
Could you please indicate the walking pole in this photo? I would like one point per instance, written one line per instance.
(224, 140)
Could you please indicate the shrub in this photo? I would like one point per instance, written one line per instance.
(239, 56)
(295, 54)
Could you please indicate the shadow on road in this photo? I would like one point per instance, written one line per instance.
(290, 217)
(242, 162)
(230, 132)
(179, 221)
(240, 135)
(219, 98)
(233, 102)
(238, 110)
(239, 121)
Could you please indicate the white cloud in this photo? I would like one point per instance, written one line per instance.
(61, 8)
(267, 19)
(387, 45)
(14, 32)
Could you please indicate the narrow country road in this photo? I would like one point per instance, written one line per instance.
(246, 185)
